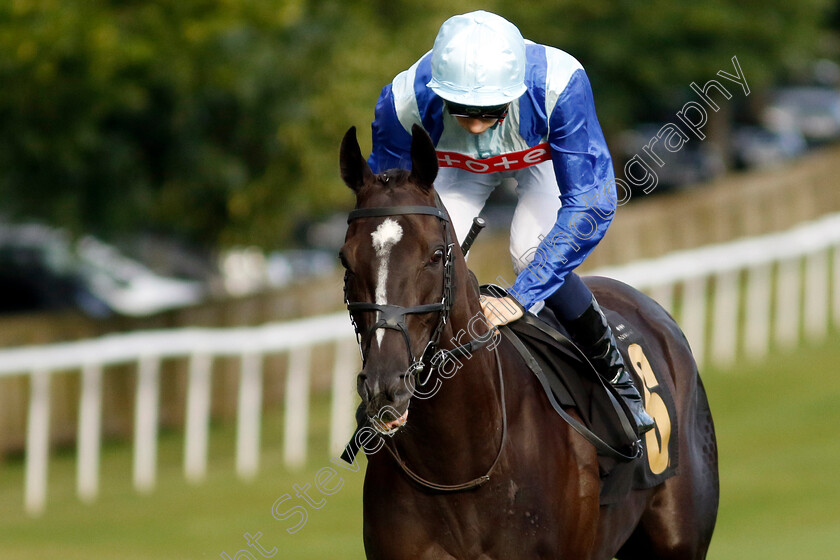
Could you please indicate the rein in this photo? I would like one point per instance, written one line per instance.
(476, 482)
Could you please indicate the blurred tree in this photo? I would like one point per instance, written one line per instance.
(119, 115)
(642, 56)
(219, 120)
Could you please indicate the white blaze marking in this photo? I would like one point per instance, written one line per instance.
(385, 237)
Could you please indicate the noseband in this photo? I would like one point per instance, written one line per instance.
(393, 316)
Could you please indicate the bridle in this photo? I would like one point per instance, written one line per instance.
(393, 316)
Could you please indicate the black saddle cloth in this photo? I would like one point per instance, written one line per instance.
(574, 384)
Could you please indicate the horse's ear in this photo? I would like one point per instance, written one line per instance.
(355, 171)
(424, 162)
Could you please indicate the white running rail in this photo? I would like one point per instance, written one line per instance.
(740, 296)
(200, 346)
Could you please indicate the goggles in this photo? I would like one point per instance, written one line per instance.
(470, 112)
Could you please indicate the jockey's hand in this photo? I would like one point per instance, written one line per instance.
(501, 311)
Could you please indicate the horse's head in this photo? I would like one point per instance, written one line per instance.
(398, 256)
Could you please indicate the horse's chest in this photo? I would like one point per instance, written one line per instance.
(514, 523)
(546, 511)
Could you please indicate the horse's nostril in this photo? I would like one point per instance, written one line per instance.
(362, 386)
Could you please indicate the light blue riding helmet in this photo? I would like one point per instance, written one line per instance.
(479, 60)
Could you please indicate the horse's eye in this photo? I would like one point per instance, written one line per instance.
(436, 258)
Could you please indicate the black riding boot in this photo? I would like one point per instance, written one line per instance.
(593, 335)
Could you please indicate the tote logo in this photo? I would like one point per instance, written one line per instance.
(504, 162)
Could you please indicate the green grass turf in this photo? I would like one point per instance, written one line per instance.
(778, 434)
(778, 427)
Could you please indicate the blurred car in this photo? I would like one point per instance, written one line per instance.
(758, 147)
(248, 270)
(127, 286)
(41, 269)
(37, 273)
(695, 162)
(297, 265)
(814, 112)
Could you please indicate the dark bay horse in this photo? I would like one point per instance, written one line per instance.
(478, 465)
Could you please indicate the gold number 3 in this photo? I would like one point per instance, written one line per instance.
(657, 447)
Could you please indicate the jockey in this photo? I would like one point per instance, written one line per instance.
(500, 108)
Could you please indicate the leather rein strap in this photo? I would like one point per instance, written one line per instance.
(600, 445)
(476, 482)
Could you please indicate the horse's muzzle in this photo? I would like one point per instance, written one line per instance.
(385, 400)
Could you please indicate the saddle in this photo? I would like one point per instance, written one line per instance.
(570, 382)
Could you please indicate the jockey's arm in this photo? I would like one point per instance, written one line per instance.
(585, 176)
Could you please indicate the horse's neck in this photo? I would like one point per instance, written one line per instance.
(461, 423)
(467, 315)
(456, 432)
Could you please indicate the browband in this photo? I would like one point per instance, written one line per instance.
(395, 211)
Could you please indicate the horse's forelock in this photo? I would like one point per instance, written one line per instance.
(393, 187)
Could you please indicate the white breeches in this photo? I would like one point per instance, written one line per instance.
(464, 194)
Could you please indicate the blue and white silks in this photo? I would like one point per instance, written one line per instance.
(554, 119)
